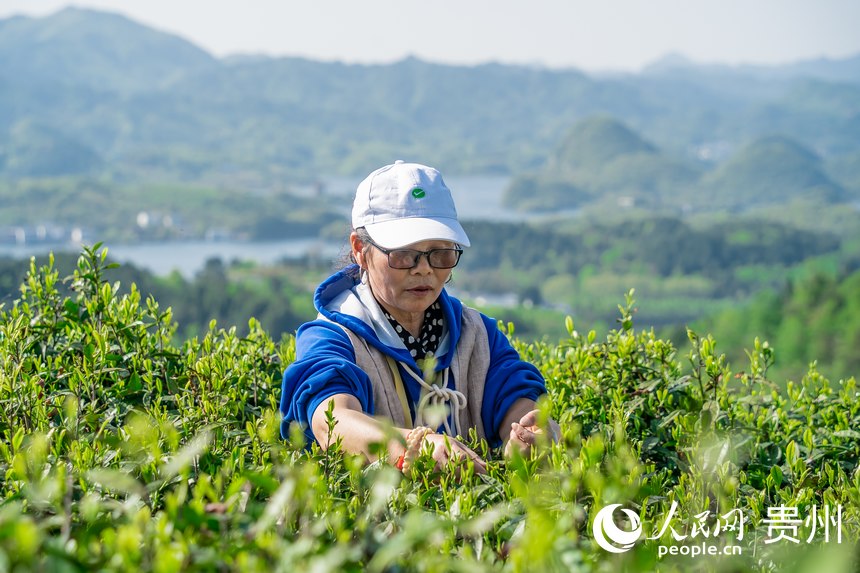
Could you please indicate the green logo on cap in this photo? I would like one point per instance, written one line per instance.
(418, 193)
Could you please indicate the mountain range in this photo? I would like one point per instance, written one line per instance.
(94, 93)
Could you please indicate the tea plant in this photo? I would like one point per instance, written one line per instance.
(124, 451)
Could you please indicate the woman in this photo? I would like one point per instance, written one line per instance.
(380, 320)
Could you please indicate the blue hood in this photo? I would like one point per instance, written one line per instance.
(343, 299)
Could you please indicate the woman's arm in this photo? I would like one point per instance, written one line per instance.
(521, 421)
(358, 431)
(511, 383)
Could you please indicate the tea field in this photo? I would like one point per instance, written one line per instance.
(123, 450)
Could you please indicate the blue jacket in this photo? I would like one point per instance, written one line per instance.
(325, 360)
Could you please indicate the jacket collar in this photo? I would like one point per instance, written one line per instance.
(343, 299)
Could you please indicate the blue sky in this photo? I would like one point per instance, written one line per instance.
(594, 35)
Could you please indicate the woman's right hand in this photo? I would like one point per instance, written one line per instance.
(446, 448)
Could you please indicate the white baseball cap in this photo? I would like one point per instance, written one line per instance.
(405, 203)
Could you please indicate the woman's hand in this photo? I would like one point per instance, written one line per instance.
(446, 448)
(524, 434)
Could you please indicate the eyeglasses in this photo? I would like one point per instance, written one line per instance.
(409, 258)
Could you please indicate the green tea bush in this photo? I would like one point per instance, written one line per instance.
(123, 451)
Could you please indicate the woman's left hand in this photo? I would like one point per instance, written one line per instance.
(524, 434)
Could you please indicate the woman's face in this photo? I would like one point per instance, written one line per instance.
(405, 293)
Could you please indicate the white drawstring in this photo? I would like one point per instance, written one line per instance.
(439, 396)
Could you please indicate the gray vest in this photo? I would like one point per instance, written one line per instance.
(469, 369)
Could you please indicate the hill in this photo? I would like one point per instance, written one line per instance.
(96, 50)
(770, 170)
(594, 142)
(603, 160)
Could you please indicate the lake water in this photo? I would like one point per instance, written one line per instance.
(189, 257)
(480, 199)
(477, 198)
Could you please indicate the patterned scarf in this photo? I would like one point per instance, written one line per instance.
(431, 332)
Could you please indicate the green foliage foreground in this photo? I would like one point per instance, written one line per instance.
(122, 452)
